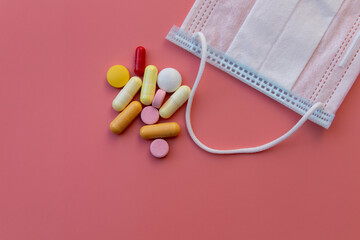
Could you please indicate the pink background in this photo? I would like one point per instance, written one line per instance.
(64, 175)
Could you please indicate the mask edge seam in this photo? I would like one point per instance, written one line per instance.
(342, 77)
(337, 57)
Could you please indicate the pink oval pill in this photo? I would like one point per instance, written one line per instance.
(158, 98)
(149, 115)
(159, 148)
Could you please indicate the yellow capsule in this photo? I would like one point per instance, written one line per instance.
(126, 94)
(161, 130)
(120, 123)
(149, 85)
(176, 100)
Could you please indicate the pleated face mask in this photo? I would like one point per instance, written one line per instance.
(301, 53)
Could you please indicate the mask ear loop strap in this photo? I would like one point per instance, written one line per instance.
(240, 150)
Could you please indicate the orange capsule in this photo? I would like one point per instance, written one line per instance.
(140, 54)
(123, 120)
(161, 130)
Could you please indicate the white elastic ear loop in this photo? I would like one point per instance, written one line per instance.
(240, 150)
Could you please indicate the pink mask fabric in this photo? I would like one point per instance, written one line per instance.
(298, 52)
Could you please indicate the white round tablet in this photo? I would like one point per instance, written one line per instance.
(169, 79)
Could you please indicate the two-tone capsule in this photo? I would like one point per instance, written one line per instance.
(149, 85)
(127, 94)
(140, 55)
(123, 120)
(176, 100)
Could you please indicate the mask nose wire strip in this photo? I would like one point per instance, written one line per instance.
(240, 150)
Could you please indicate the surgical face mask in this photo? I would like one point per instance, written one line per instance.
(301, 53)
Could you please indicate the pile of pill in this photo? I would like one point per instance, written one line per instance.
(168, 80)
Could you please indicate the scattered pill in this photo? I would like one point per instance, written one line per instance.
(176, 100)
(149, 85)
(158, 98)
(123, 120)
(159, 148)
(169, 80)
(160, 130)
(118, 76)
(126, 94)
(140, 54)
(150, 115)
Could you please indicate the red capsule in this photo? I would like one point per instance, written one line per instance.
(140, 54)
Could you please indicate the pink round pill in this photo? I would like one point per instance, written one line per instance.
(158, 98)
(159, 148)
(149, 115)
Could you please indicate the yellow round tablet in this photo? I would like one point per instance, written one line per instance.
(118, 76)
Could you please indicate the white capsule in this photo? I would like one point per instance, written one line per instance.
(126, 94)
(176, 100)
(169, 79)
